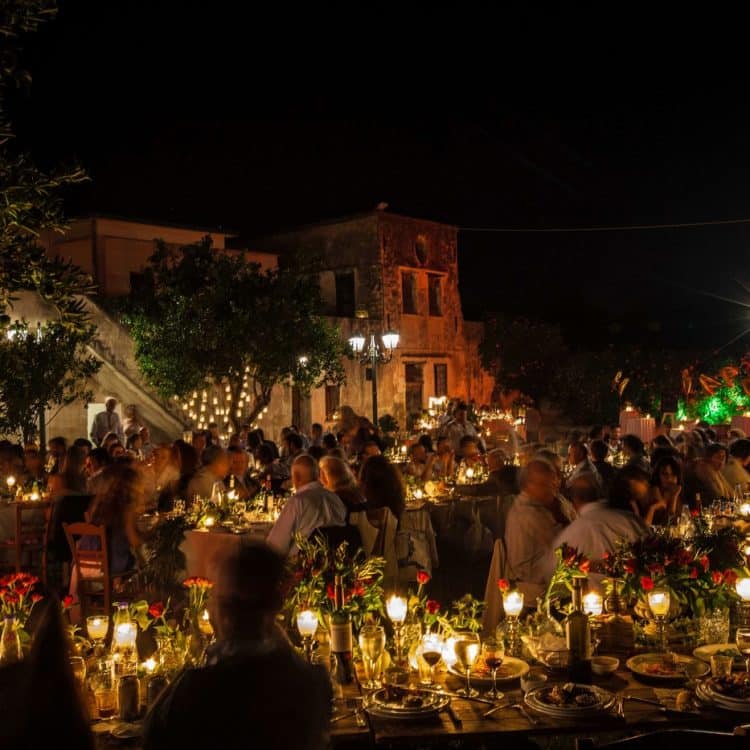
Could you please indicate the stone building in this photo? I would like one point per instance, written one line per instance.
(402, 271)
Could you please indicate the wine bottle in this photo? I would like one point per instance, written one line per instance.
(341, 635)
(578, 638)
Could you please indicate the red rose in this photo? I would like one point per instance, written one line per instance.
(36, 598)
(331, 592)
(730, 577)
(432, 606)
(67, 602)
(704, 561)
(584, 565)
(684, 557)
(630, 565)
(717, 577)
(656, 568)
(423, 577)
(503, 584)
(156, 609)
(695, 513)
(693, 572)
(646, 583)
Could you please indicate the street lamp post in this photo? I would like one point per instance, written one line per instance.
(372, 350)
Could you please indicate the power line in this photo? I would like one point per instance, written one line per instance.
(629, 228)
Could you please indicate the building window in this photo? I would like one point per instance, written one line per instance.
(409, 292)
(434, 286)
(420, 250)
(441, 380)
(345, 298)
(332, 401)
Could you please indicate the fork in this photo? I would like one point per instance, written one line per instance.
(531, 719)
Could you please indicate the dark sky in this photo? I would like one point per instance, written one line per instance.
(190, 112)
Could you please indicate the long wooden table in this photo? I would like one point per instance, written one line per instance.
(508, 725)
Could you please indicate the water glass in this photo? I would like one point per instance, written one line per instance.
(467, 650)
(713, 627)
(179, 507)
(721, 666)
(372, 645)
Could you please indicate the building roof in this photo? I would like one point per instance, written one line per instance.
(155, 222)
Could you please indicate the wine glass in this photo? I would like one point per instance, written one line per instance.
(432, 652)
(493, 653)
(467, 650)
(372, 645)
(742, 639)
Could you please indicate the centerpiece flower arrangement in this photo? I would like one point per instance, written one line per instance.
(570, 564)
(17, 600)
(312, 581)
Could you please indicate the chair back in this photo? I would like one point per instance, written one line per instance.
(31, 529)
(68, 509)
(88, 548)
(494, 611)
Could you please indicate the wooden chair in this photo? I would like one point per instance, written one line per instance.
(32, 531)
(94, 581)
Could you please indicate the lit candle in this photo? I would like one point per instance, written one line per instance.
(396, 608)
(307, 623)
(11, 482)
(149, 665)
(513, 603)
(592, 603)
(204, 623)
(743, 588)
(97, 627)
(745, 509)
(418, 494)
(125, 634)
(403, 449)
(34, 496)
(658, 600)
(209, 521)
(469, 473)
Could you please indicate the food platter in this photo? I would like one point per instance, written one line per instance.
(511, 669)
(704, 653)
(569, 700)
(657, 667)
(731, 694)
(404, 704)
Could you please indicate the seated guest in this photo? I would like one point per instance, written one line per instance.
(502, 479)
(336, 476)
(201, 440)
(705, 476)
(214, 467)
(96, 462)
(238, 464)
(329, 441)
(71, 479)
(382, 485)
(631, 490)
(469, 451)
(614, 438)
(534, 520)
(56, 448)
(666, 490)
(444, 464)
(316, 434)
(599, 451)
(598, 526)
(134, 445)
(205, 707)
(635, 453)
(735, 471)
(146, 446)
(426, 441)
(33, 466)
(310, 507)
(420, 463)
(83, 445)
(578, 458)
(272, 471)
(459, 427)
(293, 446)
(117, 505)
(186, 460)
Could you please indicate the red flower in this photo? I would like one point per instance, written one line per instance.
(432, 606)
(730, 577)
(67, 602)
(629, 566)
(717, 576)
(331, 592)
(503, 584)
(656, 569)
(693, 572)
(684, 557)
(584, 565)
(423, 577)
(704, 561)
(646, 583)
(156, 609)
(695, 513)
(36, 598)
(203, 583)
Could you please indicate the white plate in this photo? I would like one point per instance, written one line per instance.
(707, 696)
(435, 704)
(704, 653)
(637, 665)
(126, 731)
(511, 669)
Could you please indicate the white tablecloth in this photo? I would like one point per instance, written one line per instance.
(642, 427)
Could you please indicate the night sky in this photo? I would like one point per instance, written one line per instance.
(191, 113)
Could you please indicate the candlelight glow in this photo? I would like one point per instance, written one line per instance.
(97, 627)
(658, 600)
(513, 603)
(592, 604)
(743, 589)
(125, 634)
(307, 623)
(396, 608)
(209, 521)
(149, 665)
(745, 509)
(10, 481)
(418, 494)
(469, 473)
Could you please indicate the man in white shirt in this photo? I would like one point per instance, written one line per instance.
(459, 426)
(107, 421)
(598, 527)
(311, 507)
(578, 458)
(534, 521)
